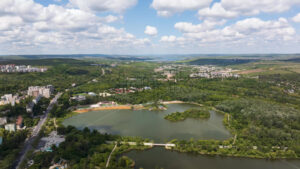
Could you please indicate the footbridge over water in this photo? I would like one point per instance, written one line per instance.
(167, 145)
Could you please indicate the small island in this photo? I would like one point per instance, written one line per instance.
(202, 113)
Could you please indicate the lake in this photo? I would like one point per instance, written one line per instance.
(158, 157)
(151, 124)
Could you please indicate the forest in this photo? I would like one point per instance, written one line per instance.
(200, 113)
(262, 112)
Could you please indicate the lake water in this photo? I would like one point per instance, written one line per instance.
(151, 124)
(158, 157)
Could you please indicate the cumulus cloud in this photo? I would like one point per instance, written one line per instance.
(253, 7)
(228, 9)
(189, 27)
(150, 30)
(169, 7)
(171, 38)
(296, 18)
(25, 24)
(216, 12)
(117, 6)
(252, 30)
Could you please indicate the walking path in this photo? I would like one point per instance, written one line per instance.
(107, 163)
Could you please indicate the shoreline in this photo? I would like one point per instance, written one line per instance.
(117, 107)
(128, 107)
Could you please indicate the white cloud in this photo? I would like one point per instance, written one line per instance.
(251, 30)
(7, 22)
(228, 9)
(59, 28)
(216, 12)
(150, 30)
(296, 18)
(117, 6)
(187, 27)
(170, 7)
(253, 7)
(168, 38)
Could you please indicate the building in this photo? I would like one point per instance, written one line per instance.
(104, 94)
(92, 94)
(79, 98)
(9, 99)
(53, 139)
(3, 121)
(10, 127)
(44, 91)
(29, 107)
(11, 68)
(19, 122)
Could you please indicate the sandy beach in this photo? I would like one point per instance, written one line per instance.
(116, 107)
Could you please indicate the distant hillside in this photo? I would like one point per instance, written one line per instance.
(221, 62)
(292, 60)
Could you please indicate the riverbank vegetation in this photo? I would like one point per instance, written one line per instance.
(262, 130)
(201, 113)
(87, 149)
(261, 110)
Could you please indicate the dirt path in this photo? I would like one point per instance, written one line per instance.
(107, 163)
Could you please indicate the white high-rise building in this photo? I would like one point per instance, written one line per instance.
(44, 91)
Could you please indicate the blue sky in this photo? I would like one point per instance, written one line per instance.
(149, 26)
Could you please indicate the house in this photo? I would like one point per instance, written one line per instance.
(10, 127)
(147, 88)
(104, 94)
(92, 94)
(19, 122)
(3, 121)
(79, 98)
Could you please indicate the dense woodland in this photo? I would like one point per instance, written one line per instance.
(201, 113)
(82, 149)
(261, 114)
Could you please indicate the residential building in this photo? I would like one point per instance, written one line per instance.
(92, 94)
(44, 91)
(104, 94)
(3, 121)
(19, 122)
(10, 127)
(9, 99)
(79, 98)
(11, 68)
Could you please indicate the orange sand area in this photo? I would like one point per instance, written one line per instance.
(119, 107)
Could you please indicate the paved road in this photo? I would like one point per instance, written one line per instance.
(27, 146)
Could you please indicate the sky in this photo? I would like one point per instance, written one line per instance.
(141, 27)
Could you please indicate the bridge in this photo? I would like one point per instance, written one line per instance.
(167, 145)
